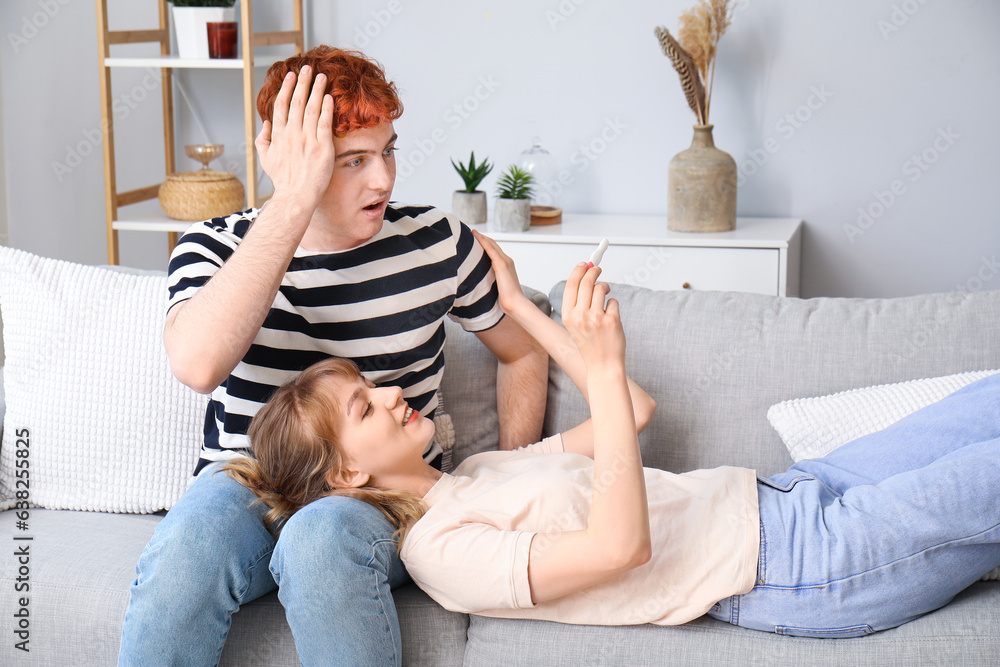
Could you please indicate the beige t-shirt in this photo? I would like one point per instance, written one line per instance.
(470, 551)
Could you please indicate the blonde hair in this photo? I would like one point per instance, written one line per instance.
(296, 448)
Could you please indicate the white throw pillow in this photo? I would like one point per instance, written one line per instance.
(814, 427)
(103, 423)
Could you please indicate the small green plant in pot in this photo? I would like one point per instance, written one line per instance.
(470, 204)
(513, 208)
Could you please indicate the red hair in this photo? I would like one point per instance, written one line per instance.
(362, 97)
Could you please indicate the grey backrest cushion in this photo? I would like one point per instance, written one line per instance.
(715, 362)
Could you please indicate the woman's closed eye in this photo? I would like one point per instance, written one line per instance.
(368, 410)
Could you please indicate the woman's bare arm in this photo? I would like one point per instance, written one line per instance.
(559, 345)
(617, 537)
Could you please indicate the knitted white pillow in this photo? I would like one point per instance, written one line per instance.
(814, 427)
(91, 402)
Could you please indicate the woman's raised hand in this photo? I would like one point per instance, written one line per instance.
(594, 325)
(508, 285)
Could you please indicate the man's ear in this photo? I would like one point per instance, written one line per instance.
(347, 479)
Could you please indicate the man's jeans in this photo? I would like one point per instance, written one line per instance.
(333, 565)
(882, 530)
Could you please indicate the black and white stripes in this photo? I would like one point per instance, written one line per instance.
(381, 304)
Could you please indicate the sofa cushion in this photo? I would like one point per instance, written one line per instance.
(965, 632)
(82, 564)
(87, 379)
(716, 361)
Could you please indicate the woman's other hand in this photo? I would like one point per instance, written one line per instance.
(594, 325)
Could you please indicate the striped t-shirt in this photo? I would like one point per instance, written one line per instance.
(381, 304)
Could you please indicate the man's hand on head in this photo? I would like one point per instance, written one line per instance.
(296, 147)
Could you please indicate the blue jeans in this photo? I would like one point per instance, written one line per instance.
(333, 565)
(882, 530)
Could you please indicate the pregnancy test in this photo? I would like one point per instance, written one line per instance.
(595, 259)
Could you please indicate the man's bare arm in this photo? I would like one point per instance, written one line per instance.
(207, 335)
(522, 382)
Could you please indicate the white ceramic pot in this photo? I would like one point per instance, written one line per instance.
(511, 215)
(470, 207)
(192, 31)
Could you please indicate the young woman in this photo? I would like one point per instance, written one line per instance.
(574, 529)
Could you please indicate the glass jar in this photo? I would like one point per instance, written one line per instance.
(539, 162)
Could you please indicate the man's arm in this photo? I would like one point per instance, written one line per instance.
(207, 335)
(522, 382)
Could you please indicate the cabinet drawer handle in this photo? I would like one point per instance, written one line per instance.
(686, 286)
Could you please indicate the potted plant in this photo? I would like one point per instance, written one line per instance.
(190, 23)
(512, 212)
(470, 204)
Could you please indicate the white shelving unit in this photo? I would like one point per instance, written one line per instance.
(166, 63)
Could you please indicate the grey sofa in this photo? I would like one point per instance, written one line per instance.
(715, 362)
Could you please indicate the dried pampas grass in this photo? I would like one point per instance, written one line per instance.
(693, 53)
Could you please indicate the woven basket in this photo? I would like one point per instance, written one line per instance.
(199, 195)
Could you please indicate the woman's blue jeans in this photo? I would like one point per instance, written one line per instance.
(333, 565)
(882, 530)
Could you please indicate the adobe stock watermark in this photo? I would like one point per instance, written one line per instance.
(988, 269)
(371, 29)
(585, 155)
(93, 138)
(30, 26)
(656, 259)
(569, 520)
(60, 333)
(235, 161)
(562, 12)
(721, 365)
(786, 126)
(22, 542)
(926, 332)
(453, 117)
(900, 15)
(913, 168)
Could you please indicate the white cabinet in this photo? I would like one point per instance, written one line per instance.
(761, 255)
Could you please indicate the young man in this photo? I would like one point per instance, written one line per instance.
(327, 267)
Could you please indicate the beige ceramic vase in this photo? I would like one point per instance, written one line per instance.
(701, 184)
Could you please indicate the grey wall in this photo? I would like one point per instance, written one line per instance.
(873, 120)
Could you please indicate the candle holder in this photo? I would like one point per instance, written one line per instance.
(222, 39)
(203, 153)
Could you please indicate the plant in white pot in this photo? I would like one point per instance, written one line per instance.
(470, 204)
(191, 18)
(512, 212)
